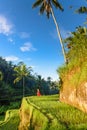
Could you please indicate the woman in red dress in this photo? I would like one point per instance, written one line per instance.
(38, 92)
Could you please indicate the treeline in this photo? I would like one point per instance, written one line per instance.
(14, 77)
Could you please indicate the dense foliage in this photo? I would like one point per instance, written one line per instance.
(11, 82)
(77, 45)
(76, 51)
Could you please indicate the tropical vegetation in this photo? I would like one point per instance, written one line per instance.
(17, 81)
(21, 72)
(76, 48)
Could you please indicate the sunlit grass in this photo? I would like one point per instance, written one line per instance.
(78, 76)
(68, 116)
(48, 113)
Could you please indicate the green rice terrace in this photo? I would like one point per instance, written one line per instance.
(43, 113)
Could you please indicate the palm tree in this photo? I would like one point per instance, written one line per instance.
(46, 6)
(21, 72)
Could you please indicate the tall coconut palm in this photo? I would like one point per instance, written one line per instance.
(46, 6)
(21, 72)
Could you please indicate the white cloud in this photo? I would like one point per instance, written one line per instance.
(11, 58)
(27, 47)
(5, 26)
(11, 40)
(24, 35)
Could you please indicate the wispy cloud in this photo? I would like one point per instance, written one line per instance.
(11, 40)
(24, 35)
(27, 47)
(28, 59)
(11, 58)
(5, 26)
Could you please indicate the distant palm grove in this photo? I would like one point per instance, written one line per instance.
(17, 81)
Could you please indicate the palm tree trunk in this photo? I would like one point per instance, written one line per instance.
(59, 35)
(23, 87)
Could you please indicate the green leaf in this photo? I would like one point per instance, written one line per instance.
(57, 5)
(81, 10)
(42, 9)
(17, 79)
(37, 3)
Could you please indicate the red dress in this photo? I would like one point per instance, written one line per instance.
(38, 93)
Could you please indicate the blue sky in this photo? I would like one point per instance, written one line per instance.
(27, 36)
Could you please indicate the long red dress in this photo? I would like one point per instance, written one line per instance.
(38, 92)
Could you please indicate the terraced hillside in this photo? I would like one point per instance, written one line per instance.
(44, 113)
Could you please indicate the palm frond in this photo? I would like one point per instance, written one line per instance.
(48, 14)
(37, 3)
(17, 79)
(42, 9)
(57, 4)
(81, 10)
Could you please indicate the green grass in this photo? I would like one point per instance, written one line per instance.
(47, 113)
(4, 108)
(67, 116)
(2, 117)
(9, 118)
(78, 77)
(11, 121)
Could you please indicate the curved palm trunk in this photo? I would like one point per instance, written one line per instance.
(59, 35)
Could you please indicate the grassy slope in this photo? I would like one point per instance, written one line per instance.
(60, 116)
(67, 116)
(77, 71)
